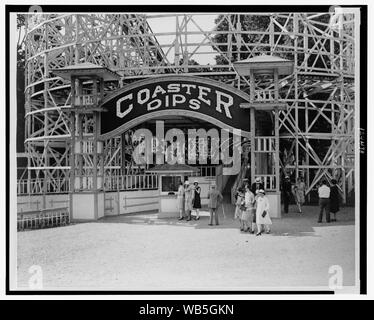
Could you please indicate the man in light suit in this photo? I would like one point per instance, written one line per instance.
(215, 198)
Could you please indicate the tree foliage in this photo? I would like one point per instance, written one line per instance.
(239, 22)
(285, 42)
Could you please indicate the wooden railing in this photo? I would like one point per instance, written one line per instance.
(268, 180)
(206, 171)
(37, 186)
(264, 95)
(265, 144)
(131, 182)
(238, 181)
(43, 218)
(117, 182)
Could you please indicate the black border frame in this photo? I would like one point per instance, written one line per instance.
(212, 9)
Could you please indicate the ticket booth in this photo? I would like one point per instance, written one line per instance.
(170, 177)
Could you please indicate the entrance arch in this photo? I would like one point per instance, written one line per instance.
(163, 113)
(190, 96)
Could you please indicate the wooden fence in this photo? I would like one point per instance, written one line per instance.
(43, 218)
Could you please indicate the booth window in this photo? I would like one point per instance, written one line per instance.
(170, 183)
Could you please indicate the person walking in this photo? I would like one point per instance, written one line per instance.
(189, 197)
(299, 193)
(197, 199)
(334, 199)
(247, 215)
(180, 199)
(324, 201)
(262, 213)
(214, 197)
(239, 207)
(286, 192)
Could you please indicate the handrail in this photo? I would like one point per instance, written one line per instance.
(238, 179)
(131, 182)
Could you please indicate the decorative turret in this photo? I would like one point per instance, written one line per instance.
(264, 66)
(86, 151)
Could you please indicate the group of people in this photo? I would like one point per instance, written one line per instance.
(296, 191)
(252, 205)
(329, 197)
(252, 208)
(189, 200)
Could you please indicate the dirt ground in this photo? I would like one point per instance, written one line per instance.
(141, 252)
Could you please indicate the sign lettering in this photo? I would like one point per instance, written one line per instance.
(199, 97)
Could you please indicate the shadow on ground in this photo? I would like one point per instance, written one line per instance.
(292, 224)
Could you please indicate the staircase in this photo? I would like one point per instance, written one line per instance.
(238, 180)
(228, 187)
(227, 203)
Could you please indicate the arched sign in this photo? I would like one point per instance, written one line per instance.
(190, 96)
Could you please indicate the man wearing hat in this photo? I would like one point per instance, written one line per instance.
(286, 192)
(257, 185)
(214, 197)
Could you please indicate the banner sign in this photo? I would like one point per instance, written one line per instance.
(183, 95)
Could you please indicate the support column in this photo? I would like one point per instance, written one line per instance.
(276, 158)
(253, 135)
(94, 151)
(252, 125)
(72, 149)
(86, 203)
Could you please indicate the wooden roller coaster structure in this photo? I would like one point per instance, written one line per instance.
(316, 129)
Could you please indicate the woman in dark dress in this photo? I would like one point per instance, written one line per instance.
(334, 199)
(197, 200)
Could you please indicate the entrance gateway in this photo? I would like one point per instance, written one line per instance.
(191, 96)
(219, 104)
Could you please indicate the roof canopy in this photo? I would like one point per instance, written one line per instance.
(264, 64)
(86, 70)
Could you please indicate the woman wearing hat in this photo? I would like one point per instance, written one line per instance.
(247, 214)
(299, 193)
(180, 198)
(286, 192)
(262, 212)
(188, 196)
(197, 199)
(334, 199)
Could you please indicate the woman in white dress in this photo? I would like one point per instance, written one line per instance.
(180, 198)
(262, 212)
(249, 199)
(189, 193)
(299, 193)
